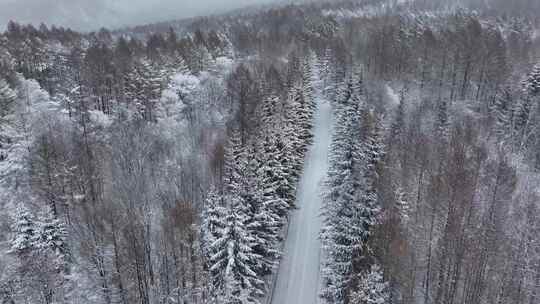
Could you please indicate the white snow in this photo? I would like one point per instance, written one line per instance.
(299, 272)
(393, 97)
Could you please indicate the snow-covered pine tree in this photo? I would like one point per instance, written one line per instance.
(132, 91)
(442, 127)
(442, 124)
(235, 165)
(351, 202)
(526, 109)
(7, 97)
(7, 62)
(144, 84)
(502, 114)
(40, 264)
(268, 112)
(303, 120)
(234, 262)
(308, 81)
(532, 83)
(325, 70)
(212, 221)
(521, 117)
(176, 65)
(203, 59)
(265, 223)
(372, 288)
(402, 206)
(340, 238)
(26, 232)
(293, 134)
(53, 236)
(245, 184)
(278, 190)
(279, 161)
(374, 143)
(52, 243)
(227, 48)
(372, 152)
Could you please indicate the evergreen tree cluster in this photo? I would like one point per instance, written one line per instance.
(47, 233)
(351, 201)
(243, 222)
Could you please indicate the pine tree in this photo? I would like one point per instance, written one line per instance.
(532, 83)
(351, 202)
(246, 185)
(502, 112)
(213, 221)
(53, 239)
(7, 62)
(292, 134)
(308, 82)
(234, 262)
(53, 235)
(7, 97)
(45, 234)
(442, 125)
(268, 112)
(39, 245)
(265, 223)
(290, 163)
(527, 107)
(522, 112)
(203, 60)
(372, 288)
(279, 157)
(243, 248)
(144, 84)
(278, 190)
(402, 206)
(374, 146)
(235, 164)
(324, 67)
(26, 232)
(303, 121)
(343, 180)
(176, 65)
(373, 153)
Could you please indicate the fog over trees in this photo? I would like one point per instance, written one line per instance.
(92, 15)
(173, 162)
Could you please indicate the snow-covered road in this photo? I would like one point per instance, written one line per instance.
(299, 271)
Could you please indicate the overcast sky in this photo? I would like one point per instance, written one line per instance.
(93, 14)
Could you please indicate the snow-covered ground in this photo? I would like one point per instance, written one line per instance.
(299, 272)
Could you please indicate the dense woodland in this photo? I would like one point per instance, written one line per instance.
(159, 164)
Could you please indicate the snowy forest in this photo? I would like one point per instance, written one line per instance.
(332, 152)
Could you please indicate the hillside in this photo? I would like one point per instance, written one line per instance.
(346, 152)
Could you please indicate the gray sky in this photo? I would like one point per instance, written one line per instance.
(93, 14)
